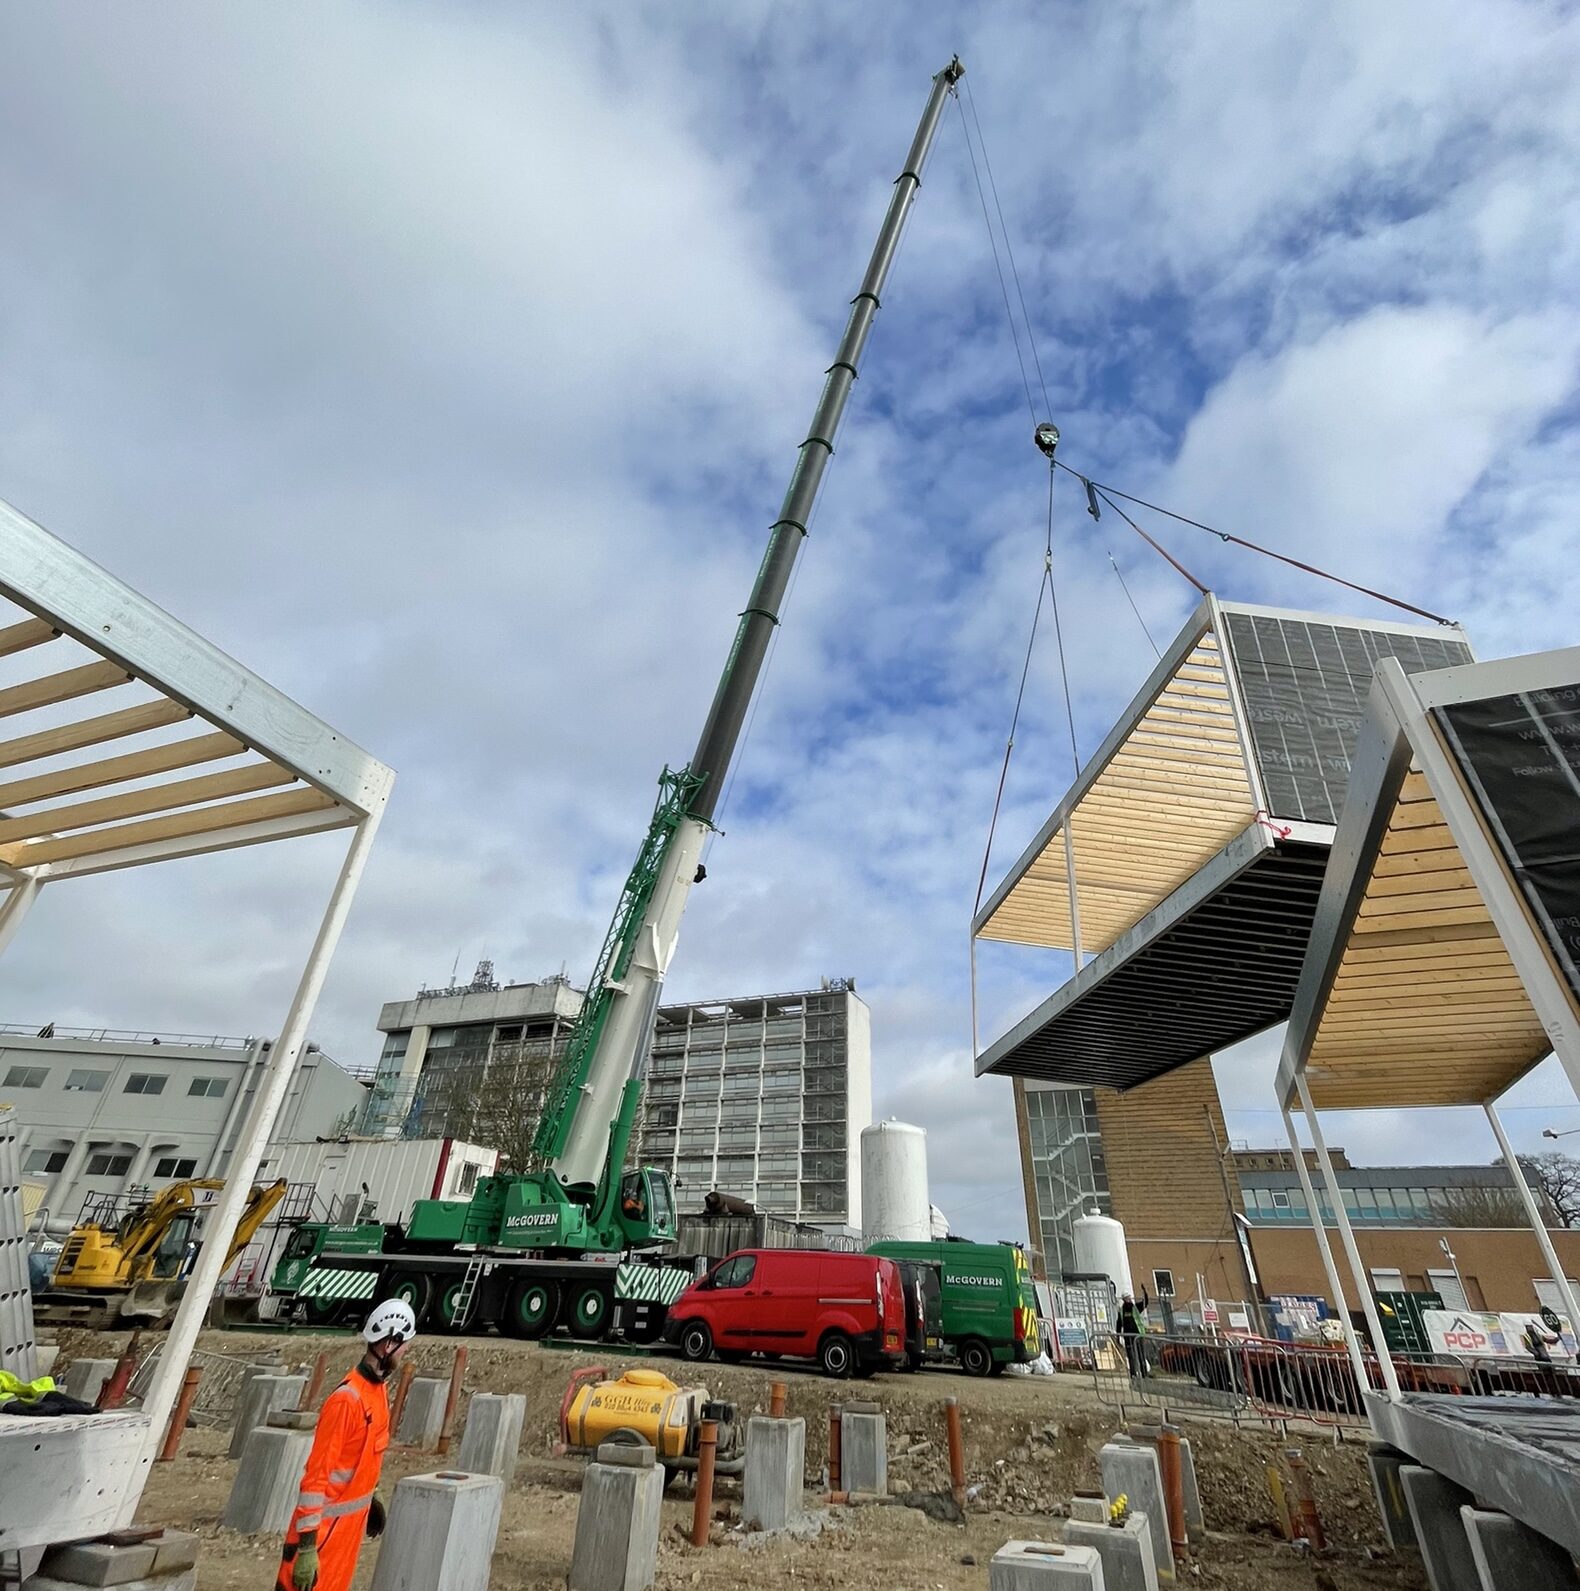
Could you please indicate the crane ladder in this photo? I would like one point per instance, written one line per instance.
(467, 1294)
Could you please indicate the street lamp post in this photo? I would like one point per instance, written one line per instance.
(1442, 1243)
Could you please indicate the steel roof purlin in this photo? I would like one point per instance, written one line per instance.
(286, 773)
(1433, 975)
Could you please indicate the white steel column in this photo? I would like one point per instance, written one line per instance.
(18, 903)
(243, 1166)
(1313, 1205)
(1534, 1215)
(1358, 1270)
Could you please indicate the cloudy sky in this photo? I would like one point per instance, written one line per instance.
(445, 364)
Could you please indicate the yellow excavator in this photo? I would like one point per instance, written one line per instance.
(134, 1268)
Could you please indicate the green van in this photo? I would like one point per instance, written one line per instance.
(988, 1306)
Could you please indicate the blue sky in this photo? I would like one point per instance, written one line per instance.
(446, 365)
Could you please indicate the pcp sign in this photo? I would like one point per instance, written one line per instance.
(1464, 1332)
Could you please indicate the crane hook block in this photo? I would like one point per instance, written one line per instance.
(1046, 438)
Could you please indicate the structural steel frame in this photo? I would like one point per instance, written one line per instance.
(1506, 1450)
(321, 780)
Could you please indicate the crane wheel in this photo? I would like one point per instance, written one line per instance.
(441, 1314)
(411, 1287)
(531, 1307)
(587, 1313)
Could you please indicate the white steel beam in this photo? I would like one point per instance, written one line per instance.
(1534, 1215)
(1347, 1234)
(17, 904)
(58, 584)
(275, 1084)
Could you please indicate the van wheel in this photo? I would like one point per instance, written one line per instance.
(976, 1358)
(836, 1355)
(999, 1367)
(696, 1341)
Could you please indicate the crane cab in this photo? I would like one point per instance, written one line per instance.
(647, 1207)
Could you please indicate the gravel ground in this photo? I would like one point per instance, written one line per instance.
(1030, 1442)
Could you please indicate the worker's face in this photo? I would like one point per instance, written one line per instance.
(386, 1351)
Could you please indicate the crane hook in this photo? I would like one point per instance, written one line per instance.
(1046, 438)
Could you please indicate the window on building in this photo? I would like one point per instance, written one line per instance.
(84, 1080)
(1386, 1280)
(26, 1076)
(466, 1182)
(1549, 1295)
(1163, 1283)
(175, 1166)
(146, 1083)
(1449, 1288)
(1281, 1201)
(47, 1161)
(109, 1165)
(207, 1087)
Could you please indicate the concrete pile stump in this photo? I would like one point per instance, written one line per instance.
(440, 1534)
(261, 1396)
(864, 1449)
(423, 1416)
(1044, 1566)
(1091, 1508)
(263, 1495)
(165, 1562)
(1509, 1553)
(1131, 1470)
(1195, 1520)
(617, 1524)
(773, 1486)
(1398, 1527)
(85, 1378)
(1126, 1551)
(1435, 1504)
(491, 1443)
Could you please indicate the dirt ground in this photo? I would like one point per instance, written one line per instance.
(1030, 1443)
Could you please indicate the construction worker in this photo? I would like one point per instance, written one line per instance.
(1132, 1328)
(337, 1506)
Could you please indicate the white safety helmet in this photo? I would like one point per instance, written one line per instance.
(393, 1318)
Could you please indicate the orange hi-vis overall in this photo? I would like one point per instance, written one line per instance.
(338, 1483)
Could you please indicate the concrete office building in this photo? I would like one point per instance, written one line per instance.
(471, 1061)
(764, 1097)
(104, 1112)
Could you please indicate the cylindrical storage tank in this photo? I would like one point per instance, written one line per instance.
(894, 1204)
(1100, 1250)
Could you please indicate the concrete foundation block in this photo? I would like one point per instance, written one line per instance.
(1435, 1503)
(864, 1452)
(263, 1495)
(1130, 1470)
(1509, 1553)
(440, 1534)
(1089, 1509)
(1398, 1527)
(177, 1580)
(1195, 1521)
(1044, 1566)
(617, 1528)
(423, 1415)
(1126, 1551)
(85, 1378)
(174, 1550)
(44, 1356)
(491, 1443)
(258, 1398)
(773, 1485)
(99, 1563)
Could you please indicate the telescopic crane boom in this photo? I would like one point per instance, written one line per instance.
(591, 1111)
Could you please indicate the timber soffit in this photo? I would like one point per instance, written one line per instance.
(1424, 960)
(105, 769)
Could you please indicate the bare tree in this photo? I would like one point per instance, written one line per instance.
(1483, 1204)
(1558, 1176)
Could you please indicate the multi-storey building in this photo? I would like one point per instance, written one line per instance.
(471, 1062)
(102, 1112)
(765, 1098)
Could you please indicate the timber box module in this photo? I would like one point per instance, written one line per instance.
(987, 1309)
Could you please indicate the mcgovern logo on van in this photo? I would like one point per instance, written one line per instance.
(977, 1281)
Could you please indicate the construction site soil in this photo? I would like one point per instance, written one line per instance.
(1030, 1442)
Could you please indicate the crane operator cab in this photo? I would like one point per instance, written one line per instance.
(647, 1207)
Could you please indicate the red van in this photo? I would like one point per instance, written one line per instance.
(847, 1311)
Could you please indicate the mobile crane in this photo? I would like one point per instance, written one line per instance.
(133, 1268)
(517, 1253)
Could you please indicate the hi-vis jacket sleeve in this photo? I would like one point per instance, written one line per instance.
(337, 1443)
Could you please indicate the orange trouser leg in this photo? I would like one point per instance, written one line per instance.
(338, 1548)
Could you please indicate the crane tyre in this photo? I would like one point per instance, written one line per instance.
(531, 1307)
(410, 1287)
(587, 1312)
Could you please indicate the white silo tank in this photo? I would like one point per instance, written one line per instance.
(894, 1203)
(1100, 1250)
